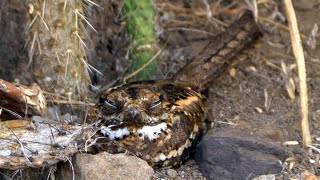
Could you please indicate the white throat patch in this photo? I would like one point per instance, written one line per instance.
(112, 134)
(150, 132)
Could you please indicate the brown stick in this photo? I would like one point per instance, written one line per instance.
(22, 99)
(298, 53)
(21, 147)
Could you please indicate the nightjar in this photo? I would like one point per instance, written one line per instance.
(160, 121)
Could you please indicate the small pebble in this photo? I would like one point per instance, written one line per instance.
(195, 174)
(171, 173)
(265, 177)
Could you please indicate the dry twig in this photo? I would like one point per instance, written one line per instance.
(298, 53)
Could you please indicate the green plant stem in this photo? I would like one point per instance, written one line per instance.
(139, 17)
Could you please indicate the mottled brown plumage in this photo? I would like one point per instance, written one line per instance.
(161, 120)
(156, 120)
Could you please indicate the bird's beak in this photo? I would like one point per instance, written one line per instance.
(133, 111)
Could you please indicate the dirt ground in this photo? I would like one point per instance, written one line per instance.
(257, 98)
(254, 98)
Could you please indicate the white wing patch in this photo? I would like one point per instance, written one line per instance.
(173, 153)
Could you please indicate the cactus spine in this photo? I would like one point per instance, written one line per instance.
(56, 46)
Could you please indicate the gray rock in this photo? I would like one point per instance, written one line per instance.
(265, 177)
(230, 153)
(105, 166)
(172, 173)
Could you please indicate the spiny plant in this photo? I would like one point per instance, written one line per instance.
(139, 17)
(56, 45)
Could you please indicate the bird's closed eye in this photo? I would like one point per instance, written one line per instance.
(155, 104)
(111, 103)
(108, 102)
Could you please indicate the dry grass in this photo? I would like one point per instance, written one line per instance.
(298, 53)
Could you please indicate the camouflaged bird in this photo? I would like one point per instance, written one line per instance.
(160, 121)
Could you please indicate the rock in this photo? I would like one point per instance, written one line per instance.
(306, 175)
(265, 177)
(195, 174)
(304, 5)
(172, 173)
(230, 153)
(104, 166)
